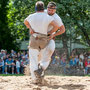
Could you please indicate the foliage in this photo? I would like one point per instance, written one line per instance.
(75, 15)
(7, 40)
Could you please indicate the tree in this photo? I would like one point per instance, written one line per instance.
(6, 38)
(76, 16)
(74, 13)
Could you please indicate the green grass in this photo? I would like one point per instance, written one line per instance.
(65, 75)
(45, 75)
(11, 74)
(87, 75)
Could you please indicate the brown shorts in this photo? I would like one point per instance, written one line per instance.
(40, 41)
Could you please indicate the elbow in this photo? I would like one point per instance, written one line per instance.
(63, 30)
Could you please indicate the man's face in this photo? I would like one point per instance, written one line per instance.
(51, 10)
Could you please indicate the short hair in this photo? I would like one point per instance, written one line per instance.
(51, 4)
(39, 6)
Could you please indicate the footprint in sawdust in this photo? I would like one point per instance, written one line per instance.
(73, 86)
(4, 80)
(36, 88)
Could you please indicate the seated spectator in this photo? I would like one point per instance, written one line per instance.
(63, 62)
(27, 60)
(53, 59)
(2, 53)
(80, 63)
(85, 65)
(17, 66)
(9, 65)
(88, 65)
(19, 56)
(72, 62)
(2, 65)
(12, 53)
(76, 59)
(81, 56)
(23, 64)
(14, 63)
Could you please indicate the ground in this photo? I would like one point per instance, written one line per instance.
(54, 83)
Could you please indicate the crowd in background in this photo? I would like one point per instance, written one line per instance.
(13, 63)
(77, 61)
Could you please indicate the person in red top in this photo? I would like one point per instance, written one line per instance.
(87, 65)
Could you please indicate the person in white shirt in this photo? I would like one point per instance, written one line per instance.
(50, 48)
(38, 22)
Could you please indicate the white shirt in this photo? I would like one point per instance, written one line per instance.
(82, 57)
(39, 22)
(17, 64)
(56, 19)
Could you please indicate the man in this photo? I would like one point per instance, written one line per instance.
(38, 22)
(48, 51)
(2, 65)
(9, 65)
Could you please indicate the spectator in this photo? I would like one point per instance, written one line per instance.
(2, 65)
(19, 56)
(14, 63)
(72, 62)
(63, 62)
(12, 53)
(9, 65)
(76, 59)
(26, 55)
(88, 65)
(17, 66)
(23, 64)
(85, 65)
(2, 53)
(63, 59)
(80, 63)
(81, 56)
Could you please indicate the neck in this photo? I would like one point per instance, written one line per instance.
(40, 11)
(51, 14)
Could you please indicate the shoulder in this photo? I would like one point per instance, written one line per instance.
(29, 16)
(56, 16)
(32, 15)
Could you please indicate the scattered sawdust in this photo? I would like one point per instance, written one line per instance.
(54, 83)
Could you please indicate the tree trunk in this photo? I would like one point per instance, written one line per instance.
(64, 41)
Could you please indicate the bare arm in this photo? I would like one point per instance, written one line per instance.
(55, 27)
(60, 31)
(28, 26)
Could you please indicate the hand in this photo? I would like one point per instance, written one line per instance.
(31, 31)
(51, 36)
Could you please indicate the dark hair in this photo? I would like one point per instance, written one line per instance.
(10, 57)
(39, 6)
(51, 4)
